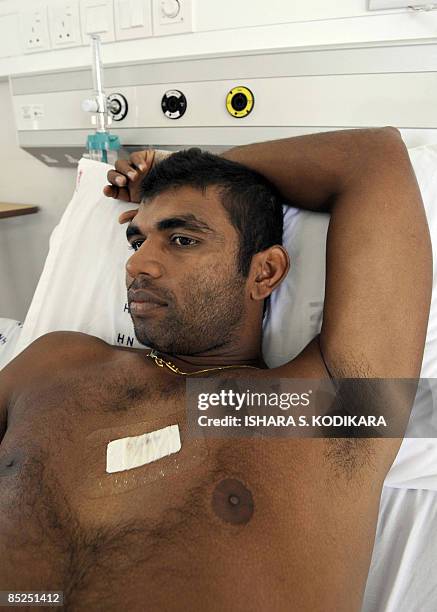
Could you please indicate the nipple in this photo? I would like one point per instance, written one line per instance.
(232, 502)
(8, 466)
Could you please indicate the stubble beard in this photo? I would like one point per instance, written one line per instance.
(210, 317)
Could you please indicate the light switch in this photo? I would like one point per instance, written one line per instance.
(137, 13)
(125, 15)
(97, 17)
(133, 19)
(96, 21)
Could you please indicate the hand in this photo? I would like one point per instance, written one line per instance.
(126, 180)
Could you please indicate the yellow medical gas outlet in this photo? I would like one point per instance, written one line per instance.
(239, 102)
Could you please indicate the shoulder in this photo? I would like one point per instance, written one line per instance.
(64, 346)
(55, 351)
(72, 340)
(68, 339)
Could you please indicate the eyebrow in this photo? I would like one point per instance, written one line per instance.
(188, 221)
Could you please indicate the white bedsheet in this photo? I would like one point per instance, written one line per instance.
(403, 571)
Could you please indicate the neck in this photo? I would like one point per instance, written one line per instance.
(225, 355)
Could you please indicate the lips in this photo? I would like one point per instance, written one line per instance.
(141, 296)
(142, 303)
(144, 308)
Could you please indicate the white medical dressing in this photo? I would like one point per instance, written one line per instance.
(119, 459)
(135, 451)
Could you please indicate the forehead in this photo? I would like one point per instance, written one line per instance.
(206, 207)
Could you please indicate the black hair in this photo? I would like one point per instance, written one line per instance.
(252, 203)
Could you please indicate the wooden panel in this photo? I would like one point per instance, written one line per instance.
(16, 210)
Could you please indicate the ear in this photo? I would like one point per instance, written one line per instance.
(268, 270)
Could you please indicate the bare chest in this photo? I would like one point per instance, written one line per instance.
(59, 430)
(56, 495)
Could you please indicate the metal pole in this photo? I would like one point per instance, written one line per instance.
(98, 83)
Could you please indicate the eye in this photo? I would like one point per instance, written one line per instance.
(135, 245)
(184, 241)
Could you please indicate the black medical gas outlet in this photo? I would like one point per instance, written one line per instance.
(240, 101)
(117, 106)
(173, 104)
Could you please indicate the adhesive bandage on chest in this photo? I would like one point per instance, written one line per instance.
(135, 451)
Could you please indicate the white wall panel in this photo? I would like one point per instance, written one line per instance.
(246, 26)
(212, 15)
(9, 35)
(401, 99)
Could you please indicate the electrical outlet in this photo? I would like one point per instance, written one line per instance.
(35, 30)
(64, 23)
(172, 17)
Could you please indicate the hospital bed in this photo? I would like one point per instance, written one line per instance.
(82, 289)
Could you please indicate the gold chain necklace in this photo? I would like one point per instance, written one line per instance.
(161, 363)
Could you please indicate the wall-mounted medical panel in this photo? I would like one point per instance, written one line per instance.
(292, 93)
(364, 60)
(360, 100)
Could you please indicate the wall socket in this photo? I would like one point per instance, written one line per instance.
(64, 24)
(35, 30)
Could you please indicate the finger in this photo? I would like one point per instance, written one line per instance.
(124, 167)
(123, 194)
(143, 160)
(115, 178)
(128, 215)
(118, 193)
(110, 191)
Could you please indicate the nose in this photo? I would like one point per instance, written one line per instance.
(144, 261)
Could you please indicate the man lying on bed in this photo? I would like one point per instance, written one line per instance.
(235, 524)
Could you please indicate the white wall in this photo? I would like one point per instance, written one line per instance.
(229, 26)
(24, 240)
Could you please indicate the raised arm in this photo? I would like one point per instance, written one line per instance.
(378, 260)
(377, 297)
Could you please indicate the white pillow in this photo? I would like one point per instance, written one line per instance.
(82, 285)
(10, 331)
(295, 314)
(82, 289)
